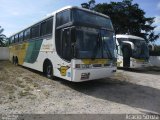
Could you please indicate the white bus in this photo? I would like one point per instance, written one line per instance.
(133, 52)
(72, 43)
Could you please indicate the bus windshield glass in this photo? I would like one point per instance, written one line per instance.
(141, 49)
(84, 17)
(94, 43)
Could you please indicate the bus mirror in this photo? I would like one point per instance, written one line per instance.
(73, 49)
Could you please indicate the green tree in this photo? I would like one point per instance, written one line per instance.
(156, 51)
(90, 5)
(3, 38)
(127, 18)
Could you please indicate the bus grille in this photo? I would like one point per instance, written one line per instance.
(97, 65)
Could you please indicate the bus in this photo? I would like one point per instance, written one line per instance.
(132, 52)
(72, 43)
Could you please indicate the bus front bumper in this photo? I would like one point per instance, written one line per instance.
(80, 75)
(140, 65)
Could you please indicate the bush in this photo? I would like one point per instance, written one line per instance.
(156, 51)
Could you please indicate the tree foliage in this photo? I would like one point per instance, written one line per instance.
(127, 18)
(3, 38)
(156, 51)
(90, 5)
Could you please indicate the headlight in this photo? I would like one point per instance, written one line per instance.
(111, 63)
(77, 66)
(83, 66)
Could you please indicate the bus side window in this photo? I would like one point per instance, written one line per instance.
(63, 18)
(11, 40)
(16, 38)
(43, 28)
(21, 37)
(27, 34)
(46, 27)
(49, 27)
(35, 31)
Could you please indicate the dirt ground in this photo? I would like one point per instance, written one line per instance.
(26, 91)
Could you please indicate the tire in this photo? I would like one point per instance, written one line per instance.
(48, 71)
(13, 60)
(16, 61)
(126, 57)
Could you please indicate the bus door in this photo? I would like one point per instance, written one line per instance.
(66, 44)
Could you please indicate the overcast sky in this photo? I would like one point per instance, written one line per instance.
(18, 14)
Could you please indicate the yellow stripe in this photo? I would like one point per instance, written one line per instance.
(95, 61)
(140, 60)
(19, 51)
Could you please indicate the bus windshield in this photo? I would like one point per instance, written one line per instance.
(94, 43)
(88, 18)
(141, 49)
(92, 36)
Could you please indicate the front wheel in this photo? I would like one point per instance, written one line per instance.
(49, 71)
(16, 61)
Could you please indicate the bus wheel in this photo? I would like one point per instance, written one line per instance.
(13, 60)
(48, 70)
(16, 61)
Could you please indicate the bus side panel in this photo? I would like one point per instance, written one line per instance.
(22, 52)
(34, 59)
(39, 51)
(18, 51)
(10, 53)
(33, 51)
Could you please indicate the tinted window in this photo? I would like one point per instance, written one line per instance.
(46, 27)
(49, 26)
(63, 18)
(43, 28)
(35, 31)
(12, 40)
(21, 36)
(91, 19)
(9, 40)
(16, 38)
(27, 34)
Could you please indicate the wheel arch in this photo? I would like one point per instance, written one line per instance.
(46, 61)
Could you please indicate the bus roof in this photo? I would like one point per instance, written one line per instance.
(129, 36)
(53, 13)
